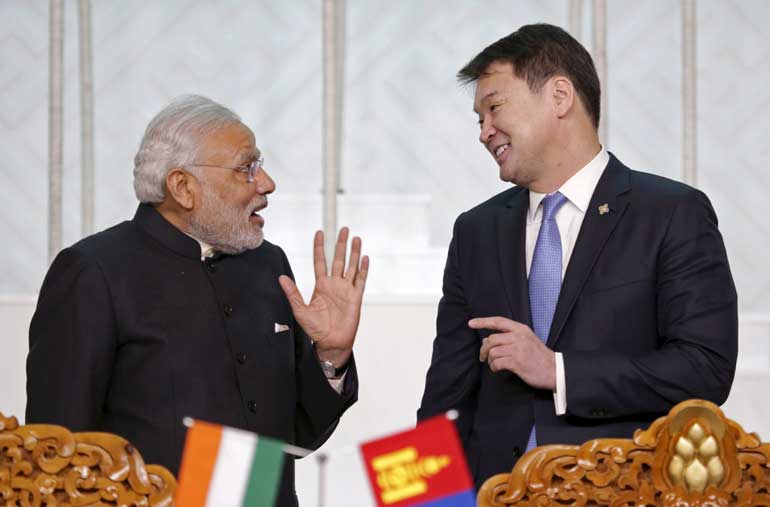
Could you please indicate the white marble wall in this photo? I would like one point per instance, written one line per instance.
(408, 128)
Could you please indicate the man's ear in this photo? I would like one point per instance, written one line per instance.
(182, 187)
(563, 95)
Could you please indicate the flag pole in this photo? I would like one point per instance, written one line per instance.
(322, 458)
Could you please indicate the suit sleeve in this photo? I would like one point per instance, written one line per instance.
(319, 406)
(452, 380)
(697, 327)
(72, 343)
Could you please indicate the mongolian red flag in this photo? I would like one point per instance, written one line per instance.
(423, 467)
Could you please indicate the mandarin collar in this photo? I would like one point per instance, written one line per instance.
(152, 222)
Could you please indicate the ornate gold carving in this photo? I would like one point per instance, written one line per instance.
(696, 461)
(694, 456)
(46, 465)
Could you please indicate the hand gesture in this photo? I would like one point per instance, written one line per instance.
(516, 348)
(331, 318)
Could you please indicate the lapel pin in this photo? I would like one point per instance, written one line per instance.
(604, 208)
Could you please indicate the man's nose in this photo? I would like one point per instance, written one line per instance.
(487, 131)
(265, 184)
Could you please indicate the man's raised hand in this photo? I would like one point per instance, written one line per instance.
(332, 315)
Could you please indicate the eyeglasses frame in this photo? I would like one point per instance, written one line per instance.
(250, 169)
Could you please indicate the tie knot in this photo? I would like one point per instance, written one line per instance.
(551, 205)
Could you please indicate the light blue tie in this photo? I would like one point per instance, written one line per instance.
(545, 276)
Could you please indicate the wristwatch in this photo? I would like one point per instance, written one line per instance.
(331, 371)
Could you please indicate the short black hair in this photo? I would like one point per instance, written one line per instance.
(538, 52)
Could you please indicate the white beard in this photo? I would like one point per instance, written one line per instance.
(226, 227)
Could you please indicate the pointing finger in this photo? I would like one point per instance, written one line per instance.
(494, 323)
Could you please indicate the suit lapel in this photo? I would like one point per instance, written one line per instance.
(511, 240)
(594, 233)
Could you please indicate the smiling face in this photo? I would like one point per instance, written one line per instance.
(518, 127)
(225, 214)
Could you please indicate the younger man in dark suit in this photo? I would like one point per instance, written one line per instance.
(589, 298)
(186, 311)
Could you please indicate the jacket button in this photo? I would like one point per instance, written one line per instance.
(228, 310)
(241, 358)
(252, 406)
(212, 267)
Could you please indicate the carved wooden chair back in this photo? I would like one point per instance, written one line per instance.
(43, 464)
(694, 456)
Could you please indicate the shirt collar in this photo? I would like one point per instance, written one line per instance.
(579, 188)
(207, 251)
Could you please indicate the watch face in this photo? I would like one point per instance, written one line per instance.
(328, 369)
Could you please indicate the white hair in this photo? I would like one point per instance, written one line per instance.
(171, 140)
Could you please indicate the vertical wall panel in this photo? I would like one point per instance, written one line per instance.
(24, 64)
(645, 85)
(333, 95)
(87, 188)
(55, 126)
(689, 95)
(733, 141)
(600, 60)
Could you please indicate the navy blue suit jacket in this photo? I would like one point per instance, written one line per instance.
(646, 318)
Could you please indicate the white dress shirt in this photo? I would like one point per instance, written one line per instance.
(208, 251)
(578, 190)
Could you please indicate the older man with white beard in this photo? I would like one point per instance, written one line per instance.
(186, 311)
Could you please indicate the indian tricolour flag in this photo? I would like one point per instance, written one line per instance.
(228, 467)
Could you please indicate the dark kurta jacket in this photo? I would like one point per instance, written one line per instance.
(133, 332)
(646, 317)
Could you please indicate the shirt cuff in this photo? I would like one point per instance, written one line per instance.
(560, 394)
(338, 383)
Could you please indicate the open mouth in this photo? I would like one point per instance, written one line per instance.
(255, 216)
(501, 149)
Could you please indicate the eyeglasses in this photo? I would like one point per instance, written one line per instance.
(250, 169)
